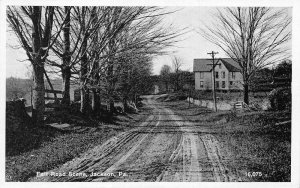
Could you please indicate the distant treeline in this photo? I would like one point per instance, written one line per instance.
(17, 88)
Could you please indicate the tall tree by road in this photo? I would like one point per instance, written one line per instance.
(254, 37)
(92, 46)
(33, 27)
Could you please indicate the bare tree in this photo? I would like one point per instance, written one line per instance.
(254, 37)
(103, 49)
(79, 48)
(139, 36)
(33, 27)
(74, 45)
(177, 64)
(95, 44)
(66, 57)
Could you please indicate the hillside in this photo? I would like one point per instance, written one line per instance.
(21, 88)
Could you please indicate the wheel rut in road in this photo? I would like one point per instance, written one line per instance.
(197, 157)
(122, 160)
(187, 168)
(102, 157)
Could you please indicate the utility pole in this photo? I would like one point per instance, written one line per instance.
(212, 53)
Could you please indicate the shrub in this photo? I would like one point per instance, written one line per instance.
(280, 98)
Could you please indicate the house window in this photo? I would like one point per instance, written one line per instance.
(223, 74)
(201, 84)
(201, 75)
(217, 84)
(219, 65)
(217, 74)
(231, 83)
(223, 84)
(233, 75)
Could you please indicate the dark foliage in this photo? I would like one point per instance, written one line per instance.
(281, 98)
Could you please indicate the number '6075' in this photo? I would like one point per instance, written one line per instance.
(254, 174)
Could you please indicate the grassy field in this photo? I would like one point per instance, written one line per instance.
(251, 141)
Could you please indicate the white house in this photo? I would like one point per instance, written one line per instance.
(227, 73)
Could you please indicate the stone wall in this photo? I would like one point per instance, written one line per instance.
(221, 105)
(16, 116)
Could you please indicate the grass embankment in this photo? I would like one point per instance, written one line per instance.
(250, 141)
(47, 148)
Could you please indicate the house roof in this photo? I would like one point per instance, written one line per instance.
(231, 65)
(202, 65)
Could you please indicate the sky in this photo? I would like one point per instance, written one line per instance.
(191, 45)
(16, 64)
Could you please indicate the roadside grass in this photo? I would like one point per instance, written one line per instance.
(51, 154)
(253, 153)
(251, 141)
(49, 148)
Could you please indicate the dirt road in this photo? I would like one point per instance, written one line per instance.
(165, 147)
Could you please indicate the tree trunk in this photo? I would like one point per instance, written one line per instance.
(246, 93)
(111, 88)
(66, 77)
(95, 101)
(111, 106)
(84, 92)
(125, 105)
(84, 104)
(38, 95)
(66, 70)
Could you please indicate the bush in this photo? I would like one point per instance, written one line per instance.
(280, 98)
